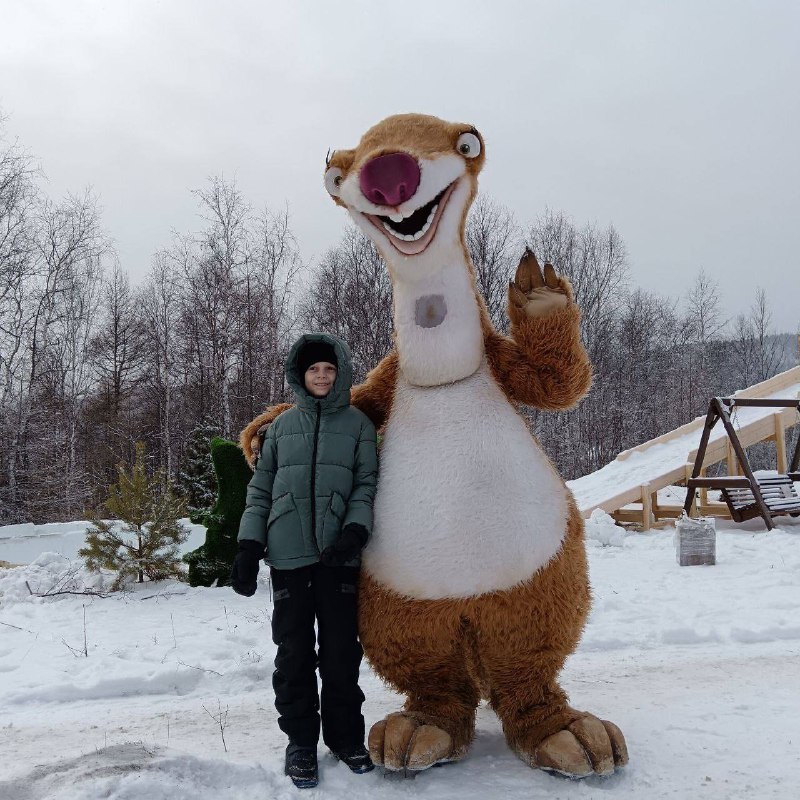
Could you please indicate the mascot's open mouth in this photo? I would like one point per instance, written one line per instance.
(412, 234)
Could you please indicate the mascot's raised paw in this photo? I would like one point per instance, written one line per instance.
(400, 742)
(588, 746)
(534, 293)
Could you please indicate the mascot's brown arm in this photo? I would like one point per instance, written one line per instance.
(249, 439)
(543, 363)
(373, 397)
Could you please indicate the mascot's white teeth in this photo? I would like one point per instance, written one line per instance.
(407, 237)
(412, 233)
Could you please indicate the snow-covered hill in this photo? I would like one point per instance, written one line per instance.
(700, 667)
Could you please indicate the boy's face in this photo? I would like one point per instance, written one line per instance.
(319, 378)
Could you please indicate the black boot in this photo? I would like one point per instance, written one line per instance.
(301, 766)
(357, 758)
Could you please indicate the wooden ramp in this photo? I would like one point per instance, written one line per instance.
(636, 475)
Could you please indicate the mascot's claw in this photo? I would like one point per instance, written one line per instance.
(589, 746)
(400, 742)
(535, 293)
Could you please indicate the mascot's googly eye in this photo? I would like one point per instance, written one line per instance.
(333, 181)
(469, 145)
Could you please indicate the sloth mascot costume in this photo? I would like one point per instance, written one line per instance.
(475, 583)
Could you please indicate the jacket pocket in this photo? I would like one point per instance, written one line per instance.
(284, 531)
(332, 523)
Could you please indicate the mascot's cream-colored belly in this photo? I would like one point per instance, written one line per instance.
(467, 502)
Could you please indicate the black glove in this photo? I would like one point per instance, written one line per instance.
(245, 567)
(346, 547)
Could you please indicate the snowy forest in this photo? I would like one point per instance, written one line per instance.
(92, 362)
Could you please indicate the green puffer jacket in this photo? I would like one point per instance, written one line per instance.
(317, 471)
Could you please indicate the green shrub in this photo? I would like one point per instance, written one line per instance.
(212, 561)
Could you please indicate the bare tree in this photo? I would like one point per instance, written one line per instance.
(118, 357)
(160, 300)
(757, 353)
(18, 268)
(350, 295)
(54, 315)
(704, 323)
(210, 300)
(494, 242)
(117, 345)
(595, 262)
(265, 289)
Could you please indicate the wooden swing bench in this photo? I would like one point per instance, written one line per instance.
(746, 496)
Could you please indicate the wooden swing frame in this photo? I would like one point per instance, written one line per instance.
(746, 496)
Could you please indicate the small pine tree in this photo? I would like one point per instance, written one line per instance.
(197, 479)
(147, 544)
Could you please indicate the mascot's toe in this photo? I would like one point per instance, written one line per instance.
(588, 746)
(400, 742)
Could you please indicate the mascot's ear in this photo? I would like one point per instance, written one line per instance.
(337, 164)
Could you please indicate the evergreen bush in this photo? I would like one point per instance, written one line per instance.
(197, 478)
(212, 561)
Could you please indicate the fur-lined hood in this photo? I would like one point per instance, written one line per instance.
(339, 394)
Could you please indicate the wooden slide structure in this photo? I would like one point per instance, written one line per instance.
(627, 487)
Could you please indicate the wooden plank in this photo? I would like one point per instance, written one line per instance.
(760, 402)
(714, 510)
(780, 443)
(667, 513)
(647, 507)
(710, 510)
(611, 504)
(733, 464)
(784, 508)
(772, 385)
(720, 483)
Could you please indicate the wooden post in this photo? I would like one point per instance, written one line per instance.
(745, 464)
(647, 507)
(733, 464)
(703, 489)
(687, 506)
(780, 443)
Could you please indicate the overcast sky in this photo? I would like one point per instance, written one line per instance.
(678, 122)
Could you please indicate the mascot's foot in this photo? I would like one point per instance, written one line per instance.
(400, 742)
(588, 746)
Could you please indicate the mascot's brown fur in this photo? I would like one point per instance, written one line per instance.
(475, 583)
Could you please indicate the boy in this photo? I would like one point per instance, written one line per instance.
(309, 514)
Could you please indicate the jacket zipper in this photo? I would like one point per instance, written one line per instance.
(312, 494)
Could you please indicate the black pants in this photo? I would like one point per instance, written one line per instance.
(330, 595)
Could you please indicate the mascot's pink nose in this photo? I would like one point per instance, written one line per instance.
(389, 180)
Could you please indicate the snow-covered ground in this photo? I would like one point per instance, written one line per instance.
(699, 666)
